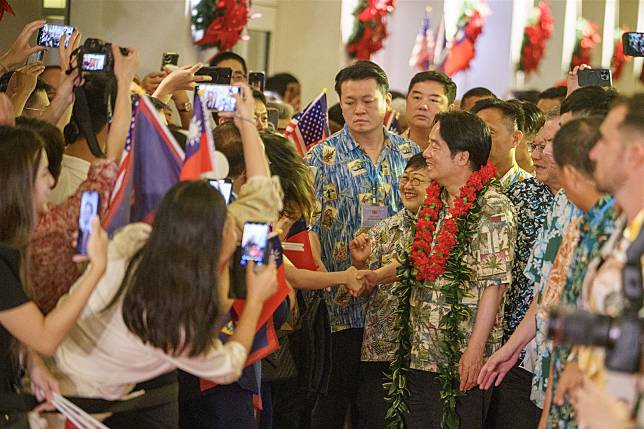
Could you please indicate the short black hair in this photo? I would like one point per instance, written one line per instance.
(478, 91)
(449, 86)
(279, 82)
(228, 55)
(258, 95)
(534, 118)
(573, 143)
(634, 119)
(362, 70)
(556, 92)
(228, 141)
(99, 90)
(589, 101)
(466, 132)
(397, 94)
(52, 138)
(41, 85)
(509, 110)
(335, 114)
(531, 95)
(416, 162)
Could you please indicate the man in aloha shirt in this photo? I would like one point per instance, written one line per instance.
(460, 144)
(532, 199)
(356, 183)
(430, 92)
(383, 245)
(619, 167)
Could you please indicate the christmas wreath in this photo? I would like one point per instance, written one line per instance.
(219, 23)
(535, 37)
(434, 254)
(587, 38)
(618, 59)
(470, 26)
(370, 28)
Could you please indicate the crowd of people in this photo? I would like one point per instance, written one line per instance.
(445, 255)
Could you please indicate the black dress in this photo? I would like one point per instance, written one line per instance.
(11, 296)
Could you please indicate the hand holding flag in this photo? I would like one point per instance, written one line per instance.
(310, 127)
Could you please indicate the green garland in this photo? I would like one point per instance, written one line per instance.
(458, 274)
(396, 386)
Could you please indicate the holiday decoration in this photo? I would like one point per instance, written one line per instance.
(219, 23)
(535, 37)
(370, 28)
(435, 254)
(618, 59)
(5, 7)
(587, 38)
(470, 26)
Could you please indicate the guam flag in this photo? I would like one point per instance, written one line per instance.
(149, 168)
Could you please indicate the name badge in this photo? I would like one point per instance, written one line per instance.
(372, 214)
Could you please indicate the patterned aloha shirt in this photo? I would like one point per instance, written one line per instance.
(595, 228)
(532, 201)
(514, 175)
(538, 271)
(390, 239)
(344, 180)
(491, 253)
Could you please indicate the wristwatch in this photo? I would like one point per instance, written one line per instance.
(184, 107)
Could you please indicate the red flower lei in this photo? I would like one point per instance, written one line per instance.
(430, 260)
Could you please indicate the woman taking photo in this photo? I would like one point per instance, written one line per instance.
(161, 302)
(24, 173)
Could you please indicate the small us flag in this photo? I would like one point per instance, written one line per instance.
(310, 127)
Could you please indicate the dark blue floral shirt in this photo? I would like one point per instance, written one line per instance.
(532, 200)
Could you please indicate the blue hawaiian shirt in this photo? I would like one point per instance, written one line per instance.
(532, 201)
(345, 180)
(537, 271)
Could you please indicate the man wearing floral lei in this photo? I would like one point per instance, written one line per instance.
(457, 271)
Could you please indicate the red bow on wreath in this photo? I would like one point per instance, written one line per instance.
(5, 7)
(535, 37)
(225, 30)
(370, 28)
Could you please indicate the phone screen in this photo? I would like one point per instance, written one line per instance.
(273, 117)
(224, 186)
(88, 209)
(257, 80)
(633, 44)
(49, 35)
(254, 243)
(93, 62)
(35, 57)
(169, 58)
(219, 98)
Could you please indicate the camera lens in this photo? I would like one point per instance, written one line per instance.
(604, 75)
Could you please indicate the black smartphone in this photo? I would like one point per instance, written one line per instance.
(633, 44)
(35, 57)
(273, 117)
(49, 35)
(257, 80)
(169, 59)
(218, 75)
(224, 186)
(89, 206)
(595, 77)
(219, 98)
(254, 243)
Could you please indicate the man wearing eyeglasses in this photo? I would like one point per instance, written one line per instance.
(532, 200)
(234, 62)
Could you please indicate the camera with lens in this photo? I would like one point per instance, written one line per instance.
(622, 337)
(96, 56)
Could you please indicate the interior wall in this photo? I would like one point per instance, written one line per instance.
(10, 26)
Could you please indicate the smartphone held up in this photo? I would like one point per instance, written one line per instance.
(89, 206)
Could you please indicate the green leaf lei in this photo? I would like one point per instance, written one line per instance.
(458, 274)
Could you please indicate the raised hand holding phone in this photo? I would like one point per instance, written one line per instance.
(21, 49)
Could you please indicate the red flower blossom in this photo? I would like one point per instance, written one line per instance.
(428, 256)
